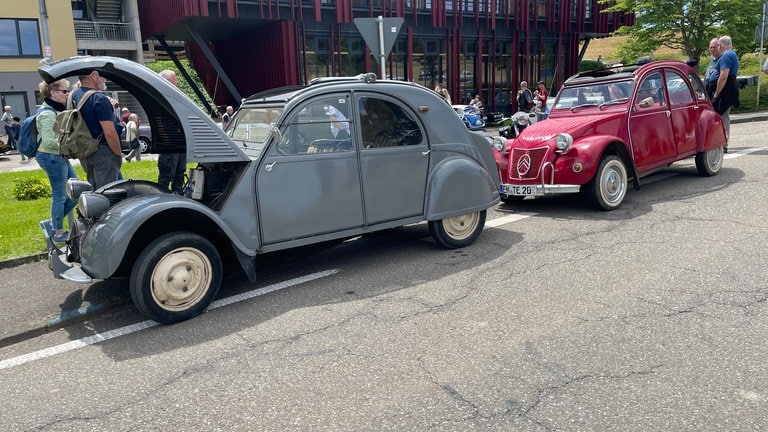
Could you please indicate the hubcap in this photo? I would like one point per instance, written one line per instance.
(461, 227)
(181, 279)
(614, 184)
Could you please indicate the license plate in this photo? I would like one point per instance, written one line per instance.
(522, 190)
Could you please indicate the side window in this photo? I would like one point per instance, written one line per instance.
(650, 92)
(386, 124)
(677, 88)
(321, 125)
(698, 86)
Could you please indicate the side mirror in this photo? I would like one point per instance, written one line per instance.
(645, 103)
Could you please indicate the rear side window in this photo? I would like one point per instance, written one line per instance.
(384, 123)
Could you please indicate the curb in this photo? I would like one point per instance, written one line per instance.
(29, 259)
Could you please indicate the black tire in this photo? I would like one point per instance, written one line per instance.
(511, 199)
(176, 277)
(458, 231)
(609, 185)
(710, 162)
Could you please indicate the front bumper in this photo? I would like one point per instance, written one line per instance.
(540, 189)
(61, 267)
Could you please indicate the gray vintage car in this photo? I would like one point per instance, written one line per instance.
(334, 159)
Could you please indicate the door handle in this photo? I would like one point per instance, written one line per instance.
(669, 113)
(269, 167)
(424, 153)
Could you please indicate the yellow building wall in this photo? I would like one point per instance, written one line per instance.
(61, 30)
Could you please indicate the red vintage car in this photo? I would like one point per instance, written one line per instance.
(611, 127)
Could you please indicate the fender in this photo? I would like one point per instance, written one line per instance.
(588, 151)
(114, 231)
(459, 186)
(710, 131)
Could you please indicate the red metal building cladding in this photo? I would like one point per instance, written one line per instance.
(487, 46)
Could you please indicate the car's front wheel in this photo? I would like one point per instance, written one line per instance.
(609, 186)
(176, 277)
(458, 231)
(708, 163)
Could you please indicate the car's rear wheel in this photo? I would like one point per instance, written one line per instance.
(458, 231)
(176, 277)
(143, 145)
(708, 163)
(609, 186)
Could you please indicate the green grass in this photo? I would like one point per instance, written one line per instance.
(20, 234)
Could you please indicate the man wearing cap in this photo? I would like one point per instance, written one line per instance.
(103, 166)
(124, 116)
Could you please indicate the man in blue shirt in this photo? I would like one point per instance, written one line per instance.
(726, 94)
(103, 166)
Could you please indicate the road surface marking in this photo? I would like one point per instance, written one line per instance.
(734, 154)
(508, 219)
(133, 328)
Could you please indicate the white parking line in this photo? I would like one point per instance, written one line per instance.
(122, 331)
(508, 219)
(742, 152)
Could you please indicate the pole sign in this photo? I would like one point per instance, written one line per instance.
(379, 35)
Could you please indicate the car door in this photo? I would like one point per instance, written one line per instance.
(394, 158)
(650, 124)
(684, 111)
(309, 182)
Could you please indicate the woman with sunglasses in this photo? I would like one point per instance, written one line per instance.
(58, 168)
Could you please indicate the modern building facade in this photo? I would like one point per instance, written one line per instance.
(33, 29)
(481, 47)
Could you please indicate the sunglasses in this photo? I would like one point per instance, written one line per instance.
(62, 91)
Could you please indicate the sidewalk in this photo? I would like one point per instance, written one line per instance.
(11, 162)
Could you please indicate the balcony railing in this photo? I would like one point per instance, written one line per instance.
(94, 30)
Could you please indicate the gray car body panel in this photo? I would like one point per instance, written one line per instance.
(274, 201)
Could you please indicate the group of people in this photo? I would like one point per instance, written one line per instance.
(528, 100)
(103, 166)
(720, 79)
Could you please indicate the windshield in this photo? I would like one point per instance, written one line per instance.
(251, 127)
(595, 95)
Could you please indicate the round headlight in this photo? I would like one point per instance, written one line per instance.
(522, 120)
(92, 205)
(76, 187)
(563, 142)
(499, 143)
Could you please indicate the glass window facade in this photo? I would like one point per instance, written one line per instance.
(20, 38)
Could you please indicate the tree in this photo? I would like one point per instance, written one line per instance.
(183, 85)
(687, 25)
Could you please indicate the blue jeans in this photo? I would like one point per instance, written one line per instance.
(59, 170)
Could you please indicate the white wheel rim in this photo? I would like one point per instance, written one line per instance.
(181, 279)
(461, 227)
(715, 159)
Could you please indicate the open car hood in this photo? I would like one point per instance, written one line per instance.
(177, 123)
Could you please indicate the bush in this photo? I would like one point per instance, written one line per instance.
(31, 189)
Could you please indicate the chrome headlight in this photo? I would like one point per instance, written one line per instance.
(92, 205)
(563, 142)
(76, 187)
(499, 143)
(522, 120)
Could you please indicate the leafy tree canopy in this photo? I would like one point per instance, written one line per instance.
(687, 25)
(183, 85)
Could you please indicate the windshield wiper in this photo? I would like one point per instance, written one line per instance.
(583, 106)
(613, 102)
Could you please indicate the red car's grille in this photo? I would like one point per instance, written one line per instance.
(525, 164)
